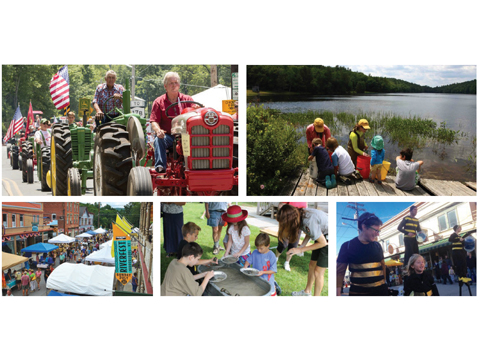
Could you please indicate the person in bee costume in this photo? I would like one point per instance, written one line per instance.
(409, 227)
(459, 256)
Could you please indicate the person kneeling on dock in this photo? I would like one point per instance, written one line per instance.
(407, 170)
(178, 280)
(342, 163)
(326, 172)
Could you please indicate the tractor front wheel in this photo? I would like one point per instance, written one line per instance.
(45, 167)
(20, 162)
(29, 166)
(139, 182)
(112, 161)
(15, 158)
(74, 182)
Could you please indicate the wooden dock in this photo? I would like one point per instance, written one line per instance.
(305, 186)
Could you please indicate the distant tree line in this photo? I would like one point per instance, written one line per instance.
(108, 214)
(338, 80)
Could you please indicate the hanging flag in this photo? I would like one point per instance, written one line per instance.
(123, 255)
(60, 88)
(9, 133)
(30, 119)
(16, 124)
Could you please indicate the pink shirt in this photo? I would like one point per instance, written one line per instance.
(312, 134)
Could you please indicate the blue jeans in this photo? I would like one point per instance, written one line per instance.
(160, 147)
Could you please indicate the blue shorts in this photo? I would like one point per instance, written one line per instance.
(215, 218)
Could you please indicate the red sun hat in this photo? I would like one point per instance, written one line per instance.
(234, 214)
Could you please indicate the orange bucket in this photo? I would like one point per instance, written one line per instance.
(363, 165)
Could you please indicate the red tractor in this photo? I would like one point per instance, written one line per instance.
(201, 159)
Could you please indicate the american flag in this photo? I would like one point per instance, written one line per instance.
(60, 89)
(16, 125)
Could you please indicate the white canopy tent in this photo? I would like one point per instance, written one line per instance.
(82, 279)
(84, 235)
(106, 244)
(100, 231)
(103, 255)
(61, 239)
(213, 97)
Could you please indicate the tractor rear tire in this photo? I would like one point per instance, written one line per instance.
(9, 148)
(112, 161)
(27, 153)
(15, 158)
(74, 182)
(45, 167)
(139, 182)
(63, 158)
(29, 166)
(20, 162)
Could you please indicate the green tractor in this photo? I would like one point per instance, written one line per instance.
(41, 158)
(71, 151)
(120, 148)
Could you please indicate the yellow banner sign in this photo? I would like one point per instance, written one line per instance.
(228, 106)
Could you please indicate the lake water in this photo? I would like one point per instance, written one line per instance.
(456, 110)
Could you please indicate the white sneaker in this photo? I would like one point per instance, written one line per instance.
(286, 265)
(301, 293)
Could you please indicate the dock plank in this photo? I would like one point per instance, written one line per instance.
(311, 187)
(390, 180)
(333, 192)
(353, 190)
(471, 185)
(322, 191)
(291, 184)
(362, 190)
(342, 190)
(302, 185)
(371, 190)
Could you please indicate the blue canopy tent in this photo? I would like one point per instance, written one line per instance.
(40, 248)
(91, 232)
(54, 293)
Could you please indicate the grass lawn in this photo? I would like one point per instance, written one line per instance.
(294, 280)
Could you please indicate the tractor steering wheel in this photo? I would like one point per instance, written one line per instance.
(180, 102)
(105, 106)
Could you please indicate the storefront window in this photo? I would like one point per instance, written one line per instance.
(21, 220)
(400, 240)
(452, 218)
(5, 220)
(442, 222)
(14, 220)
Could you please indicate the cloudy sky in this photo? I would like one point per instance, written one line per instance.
(436, 75)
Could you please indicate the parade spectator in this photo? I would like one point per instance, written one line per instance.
(172, 226)
(47, 273)
(314, 223)
(356, 142)
(25, 283)
(214, 212)
(363, 255)
(103, 93)
(9, 292)
(317, 130)
(471, 266)
(445, 274)
(18, 279)
(419, 282)
(160, 121)
(179, 280)
(38, 275)
(451, 272)
(33, 280)
(134, 282)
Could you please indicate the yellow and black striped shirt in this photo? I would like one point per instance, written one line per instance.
(409, 225)
(457, 244)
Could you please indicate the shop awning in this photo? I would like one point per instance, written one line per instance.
(10, 260)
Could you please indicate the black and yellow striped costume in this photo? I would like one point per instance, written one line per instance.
(409, 225)
(367, 270)
(459, 255)
(420, 285)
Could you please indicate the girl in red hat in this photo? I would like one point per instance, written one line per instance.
(238, 244)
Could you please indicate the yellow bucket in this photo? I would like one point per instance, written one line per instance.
(385, 168)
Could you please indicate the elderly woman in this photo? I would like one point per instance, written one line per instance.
(363, 255)
(356, 144)
(161, 123)
(314, 223)
(105, 91)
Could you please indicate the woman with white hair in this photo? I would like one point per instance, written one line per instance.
(161, 123)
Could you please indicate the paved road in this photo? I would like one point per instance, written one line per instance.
(12, 184)
(444, 290)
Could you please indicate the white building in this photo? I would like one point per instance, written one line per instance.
(436, 221)
(85, 220)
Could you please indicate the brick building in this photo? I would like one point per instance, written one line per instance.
(23, 225)
(67, 215)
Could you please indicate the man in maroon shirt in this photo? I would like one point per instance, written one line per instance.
(161, 124)
(317, 130)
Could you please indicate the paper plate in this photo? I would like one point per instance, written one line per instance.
(249, 271)
(218, 276)
(421, 237)
(230, 259)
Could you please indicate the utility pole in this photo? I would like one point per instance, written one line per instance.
(98, 221)
(213, 76)
(357, 207)
(133, 82)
